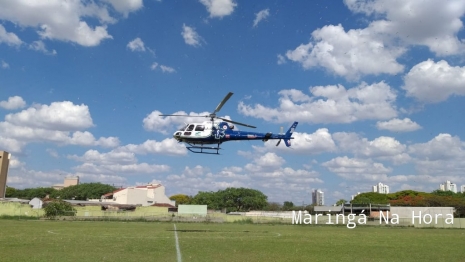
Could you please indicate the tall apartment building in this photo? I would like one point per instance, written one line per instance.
(462, 189)
(4, 162)
(318, 198)
(448, 186)
(381, 188)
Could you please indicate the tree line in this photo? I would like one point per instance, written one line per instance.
(82, 191)
(413, 198)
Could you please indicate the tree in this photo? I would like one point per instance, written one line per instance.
(180, 199)
(59, 208)
(341, 202)
(83, 191)
(232, 199)
(10, 191)
(288, 205)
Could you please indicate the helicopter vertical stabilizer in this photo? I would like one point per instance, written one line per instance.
(287, 137)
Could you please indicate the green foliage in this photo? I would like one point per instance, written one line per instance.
(83, 191)
(30, 193)
(59, 208)
(288, 205)
(181, 199)
(370, 197)
(232, 199)
(272, 206)
(341, 202)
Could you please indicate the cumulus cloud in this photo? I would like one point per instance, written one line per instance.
(356, 169)
(398, 125)
(167, 146)
(136, 45)
(40, 46)
(191, 37)
(219, 8)
(348, 54)
(126, 6)
(57, 21)
(9, 38)
(263, 14)
(329, 104)
(13, 102)
(64, 116)
(432, 82)
(433, 24)
(382, 148)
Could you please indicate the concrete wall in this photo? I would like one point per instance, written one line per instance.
(200, 210)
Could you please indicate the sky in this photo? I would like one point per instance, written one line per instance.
(377, 87)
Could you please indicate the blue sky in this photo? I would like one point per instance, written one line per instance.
(376, 86)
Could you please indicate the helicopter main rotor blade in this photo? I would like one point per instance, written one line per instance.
(237, 123)
(184, 115)
(220, 105)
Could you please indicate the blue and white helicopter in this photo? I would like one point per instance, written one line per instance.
(215, 132)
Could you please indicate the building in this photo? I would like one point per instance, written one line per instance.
(462, 189)
(381, 188)
(69, 181)
(448, 186)
(4, 162)
(353, 196)
(148, 195)
(318, 198)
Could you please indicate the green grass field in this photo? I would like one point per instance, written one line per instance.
(153, 241)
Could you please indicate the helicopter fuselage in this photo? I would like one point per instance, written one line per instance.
(218, 132)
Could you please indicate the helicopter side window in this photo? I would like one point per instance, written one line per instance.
(199, 128)
(190, 128)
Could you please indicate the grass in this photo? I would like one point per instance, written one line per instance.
(143, 241)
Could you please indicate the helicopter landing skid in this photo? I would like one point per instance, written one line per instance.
(204, 149)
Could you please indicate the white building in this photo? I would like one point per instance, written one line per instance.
(462, 189)
(381, 188)
(318, 197)
(448, 186)
(138, 195)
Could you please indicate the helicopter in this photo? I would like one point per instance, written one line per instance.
(199, 136)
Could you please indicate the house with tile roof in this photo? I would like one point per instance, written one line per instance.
(148, 195)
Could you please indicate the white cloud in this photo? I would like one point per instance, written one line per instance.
(58, 20)
(139, 168)
(281, 59)
(382, 148)
(40, 46)
(434, 24)
(9, 38)
(263, 14)
(329, 104)
(191, 37)
(357, 169)
(398, 125)
(112, 157)
(64, 116)
(136, 45)
(87, 139)
(348, 54)
(167, 146)
(219, 8)
(13, 102)
(5, 65)
(432, 82)
(167, 69)
(442, 147)
(10, 144)
(126, 6)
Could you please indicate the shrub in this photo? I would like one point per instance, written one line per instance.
(59, 208)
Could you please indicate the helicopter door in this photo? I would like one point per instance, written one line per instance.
(189, 130)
